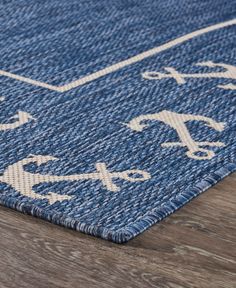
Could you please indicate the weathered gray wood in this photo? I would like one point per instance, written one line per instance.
(194, 247)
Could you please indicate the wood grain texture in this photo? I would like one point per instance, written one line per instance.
(194, 247)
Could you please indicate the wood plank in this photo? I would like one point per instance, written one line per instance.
(194, 247)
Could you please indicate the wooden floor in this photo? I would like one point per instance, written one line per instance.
(194, 247)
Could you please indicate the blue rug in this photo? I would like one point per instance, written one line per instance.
(114, 114)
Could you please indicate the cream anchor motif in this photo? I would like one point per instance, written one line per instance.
(24, 182)
(21, 119)
(229, 73)
(177, 121)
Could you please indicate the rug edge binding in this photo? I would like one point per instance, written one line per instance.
(123, 235)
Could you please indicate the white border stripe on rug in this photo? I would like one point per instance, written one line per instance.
(121, 64)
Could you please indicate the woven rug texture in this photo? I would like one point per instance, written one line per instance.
(114, 114)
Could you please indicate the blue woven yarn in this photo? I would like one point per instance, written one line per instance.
(119, 130)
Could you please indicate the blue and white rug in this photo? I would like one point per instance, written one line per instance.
(114, 114)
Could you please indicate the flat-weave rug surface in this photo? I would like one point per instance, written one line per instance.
(114, 114)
